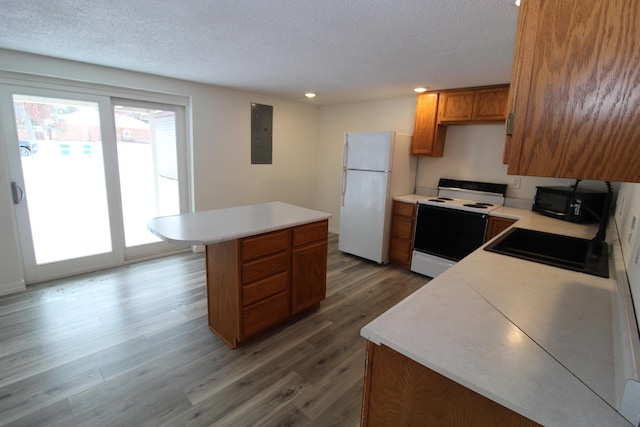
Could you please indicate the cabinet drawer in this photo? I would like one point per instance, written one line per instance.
(265, 267)
(265, 313)
(264, 244)
(309, 233)
(402, 227)
(404, 209)
(264, 288)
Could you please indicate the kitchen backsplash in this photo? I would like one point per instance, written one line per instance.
(474, 152)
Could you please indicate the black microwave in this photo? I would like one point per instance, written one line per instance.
(569, 204)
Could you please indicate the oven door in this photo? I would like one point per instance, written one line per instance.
(449, 233)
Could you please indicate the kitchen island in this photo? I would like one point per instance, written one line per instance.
(497, 340)
(266, 263)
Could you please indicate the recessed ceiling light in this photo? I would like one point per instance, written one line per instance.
(421, 89)
(517, 2)
(310, 95)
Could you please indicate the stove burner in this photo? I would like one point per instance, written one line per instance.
(437, 200)
(445, 198)
(483, 204)
(476, 205)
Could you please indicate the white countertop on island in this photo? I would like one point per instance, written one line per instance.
(207, 227)
(534, 338)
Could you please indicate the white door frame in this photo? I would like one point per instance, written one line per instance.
(119, 255)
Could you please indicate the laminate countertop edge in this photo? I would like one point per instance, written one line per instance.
(219, 225)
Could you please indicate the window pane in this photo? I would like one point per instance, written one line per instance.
(147, 161)
(63, 168)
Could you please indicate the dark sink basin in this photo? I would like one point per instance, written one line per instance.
(570, 253)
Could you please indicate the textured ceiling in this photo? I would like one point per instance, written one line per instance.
(345, 50)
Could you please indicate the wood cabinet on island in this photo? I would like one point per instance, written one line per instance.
(265, 263)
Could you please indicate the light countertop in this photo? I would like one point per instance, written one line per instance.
(411, 198)
(536, 339)
(207, 227)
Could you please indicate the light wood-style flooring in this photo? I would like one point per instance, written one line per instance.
(130, 346)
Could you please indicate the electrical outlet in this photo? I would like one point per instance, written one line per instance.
(516, 181)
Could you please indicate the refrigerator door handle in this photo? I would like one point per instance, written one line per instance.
(344, 183)
(345, 152)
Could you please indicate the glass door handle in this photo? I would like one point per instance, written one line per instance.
(17, 192)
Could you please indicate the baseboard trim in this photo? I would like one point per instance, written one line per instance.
(12, 288)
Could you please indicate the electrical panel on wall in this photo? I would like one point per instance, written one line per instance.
(261, 134)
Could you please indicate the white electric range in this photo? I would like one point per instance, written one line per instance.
(453, 224)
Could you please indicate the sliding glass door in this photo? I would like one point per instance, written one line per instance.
(150, 176)
(87, 173)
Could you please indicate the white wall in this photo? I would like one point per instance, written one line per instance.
(220, 131)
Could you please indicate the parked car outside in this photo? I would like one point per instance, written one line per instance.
(27, 148)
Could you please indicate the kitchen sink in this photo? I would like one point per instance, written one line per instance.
(570, 253)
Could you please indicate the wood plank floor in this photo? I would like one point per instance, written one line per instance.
(130, 347)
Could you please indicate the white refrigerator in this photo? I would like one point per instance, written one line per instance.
(376, 166)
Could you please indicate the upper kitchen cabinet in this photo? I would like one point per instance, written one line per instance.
(428, 137)
(488, 104)
(574, 92)
(436, 110)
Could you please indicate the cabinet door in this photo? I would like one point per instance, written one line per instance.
(399, 391)
(455, 106)
(400, 250)
(490, 104)
(496, 225)
(576, 97)
(308, 276)
(428, 137)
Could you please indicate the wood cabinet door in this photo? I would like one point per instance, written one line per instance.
(496, 225)
(490, 104)
(575, 91)
(427, 141)
(400, 250)
(308, 276)
(401, 392)
(455, 106)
